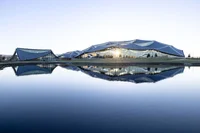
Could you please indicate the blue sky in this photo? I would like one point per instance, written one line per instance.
(65, 25)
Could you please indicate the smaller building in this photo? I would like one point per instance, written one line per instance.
(24, 54)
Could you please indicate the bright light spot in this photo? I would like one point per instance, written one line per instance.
(117, 53)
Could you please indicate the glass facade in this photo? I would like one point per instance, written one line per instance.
(125, 53)
(49, 57)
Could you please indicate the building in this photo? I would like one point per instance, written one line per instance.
(128, 49)
(23, 54)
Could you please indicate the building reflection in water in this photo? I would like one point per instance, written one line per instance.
(25, 70)
(136, 74)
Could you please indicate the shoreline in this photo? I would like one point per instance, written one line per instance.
(153, 61)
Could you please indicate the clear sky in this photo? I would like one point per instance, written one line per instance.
(66, 25)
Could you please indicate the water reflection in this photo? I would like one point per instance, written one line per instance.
(136, 74)
(33, 69)
(72, 101)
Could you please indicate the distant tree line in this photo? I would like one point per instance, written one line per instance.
(2, 58)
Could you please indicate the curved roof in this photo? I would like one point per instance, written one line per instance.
(132, 44)
(71, 54)
(28, 54)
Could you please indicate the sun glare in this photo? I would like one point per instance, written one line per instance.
(117, 53)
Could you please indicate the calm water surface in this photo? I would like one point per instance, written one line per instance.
(94, 99)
